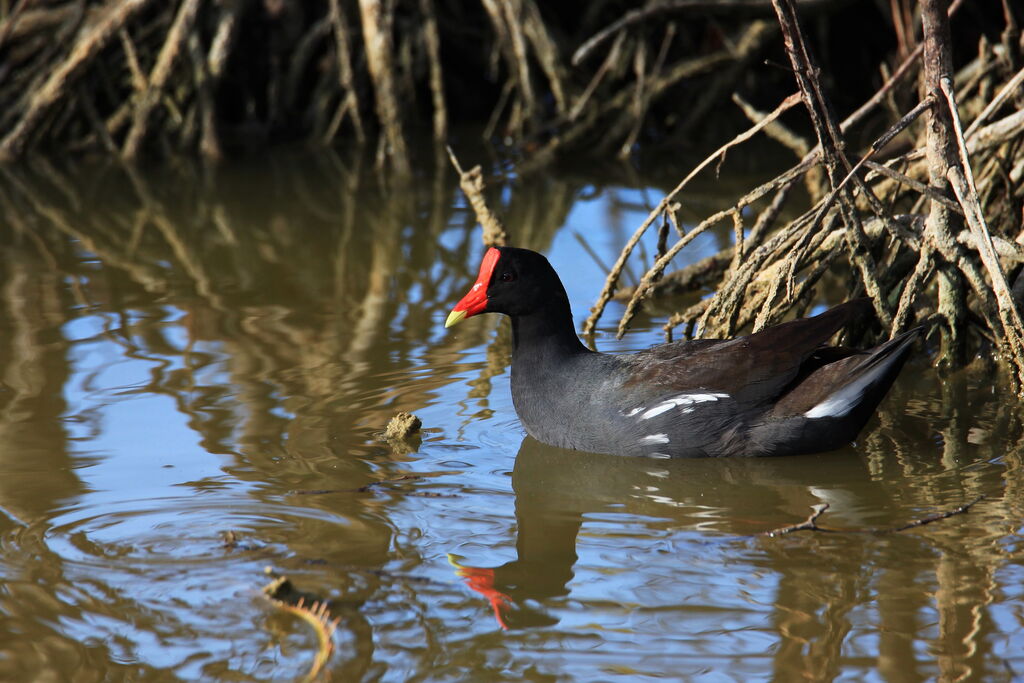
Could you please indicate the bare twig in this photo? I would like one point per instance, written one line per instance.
(667, 6)
(89, 44)
(433, 42)
(938, 516)
(1004, 94)
(810, 524)
(377, 24)
(613, 277)
(472, 184)
(159, 76)
(962, 180)
(346, 78)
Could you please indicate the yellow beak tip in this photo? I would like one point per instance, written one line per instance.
(454, 318)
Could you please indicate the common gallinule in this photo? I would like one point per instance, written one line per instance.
(776, 392)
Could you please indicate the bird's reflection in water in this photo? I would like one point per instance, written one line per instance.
(557, 489)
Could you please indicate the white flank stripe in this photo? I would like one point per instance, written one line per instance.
(680, 400)
(658, 410)
(651, 439)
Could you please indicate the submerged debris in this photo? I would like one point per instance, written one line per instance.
(313, 611)
(811, 523)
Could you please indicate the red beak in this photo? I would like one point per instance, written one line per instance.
(475, 300)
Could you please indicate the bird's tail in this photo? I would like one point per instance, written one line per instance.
(868, 382)
(834, 418)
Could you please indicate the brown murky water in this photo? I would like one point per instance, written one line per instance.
(186, 355)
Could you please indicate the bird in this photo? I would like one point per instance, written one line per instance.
(779, 391)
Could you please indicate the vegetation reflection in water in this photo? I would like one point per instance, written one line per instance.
(186, 356)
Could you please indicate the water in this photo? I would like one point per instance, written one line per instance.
(193, 371)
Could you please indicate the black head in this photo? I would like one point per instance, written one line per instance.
(516, 282)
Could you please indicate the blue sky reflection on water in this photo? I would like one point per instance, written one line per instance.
(143, 434)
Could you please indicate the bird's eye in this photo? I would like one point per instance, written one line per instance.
(508, 277)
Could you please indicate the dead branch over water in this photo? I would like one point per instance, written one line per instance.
(931, 235)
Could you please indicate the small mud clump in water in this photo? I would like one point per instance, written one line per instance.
(402, 426)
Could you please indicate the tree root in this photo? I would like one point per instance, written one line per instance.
(944, 256)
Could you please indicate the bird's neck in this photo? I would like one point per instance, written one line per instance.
(546, 333)
(547, 368)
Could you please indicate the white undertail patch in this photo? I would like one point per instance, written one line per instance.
(831, 407)
(840, 402)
